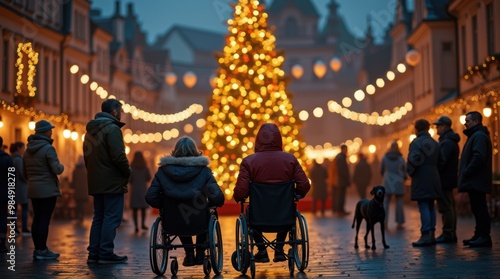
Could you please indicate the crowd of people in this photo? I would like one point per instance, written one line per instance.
(436, 168)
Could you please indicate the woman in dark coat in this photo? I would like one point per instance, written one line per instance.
(362, 175)
(139, 178)
(422, 166)
(79, 184)
(182, 176)
(318, 175)
(270, 164)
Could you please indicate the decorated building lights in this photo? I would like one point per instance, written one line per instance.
(483, 68)
(26, 62)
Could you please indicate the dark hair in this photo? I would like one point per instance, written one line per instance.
(476, 116)
(138, 161)
(15, 146)
(422, 125)
(110, 105)
(1, 141)
(185, 147)
(343, 147)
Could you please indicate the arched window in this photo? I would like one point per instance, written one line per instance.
(291, 28)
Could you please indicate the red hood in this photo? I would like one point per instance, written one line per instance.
(268, 138)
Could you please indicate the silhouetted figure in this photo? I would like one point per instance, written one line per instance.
(448, 171)
(422, 166)
(108, 172)
(362, 175)
(6, 168)
(393, 170)
(343, 179)
(41, 168)
(318, 175)
(17, 151)
(475, 176)
(139, 179)
(79, 184)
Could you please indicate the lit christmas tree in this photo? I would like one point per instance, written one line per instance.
(249, 90)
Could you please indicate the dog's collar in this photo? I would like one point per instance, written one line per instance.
(381, 204)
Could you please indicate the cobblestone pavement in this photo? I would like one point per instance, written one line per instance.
(331, 253)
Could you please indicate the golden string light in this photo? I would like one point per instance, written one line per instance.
(137, 113)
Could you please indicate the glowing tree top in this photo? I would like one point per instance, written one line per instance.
(249, 90)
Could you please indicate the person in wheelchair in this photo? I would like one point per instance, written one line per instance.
(185, 176)
(269, 164)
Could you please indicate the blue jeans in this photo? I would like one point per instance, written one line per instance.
(108, 213)
(427, 215)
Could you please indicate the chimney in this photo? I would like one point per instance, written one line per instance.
(117, 8)
(130, 9)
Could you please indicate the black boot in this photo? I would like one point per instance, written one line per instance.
(467, 241)
(427, 239)
(200, 255)
(189, 259)
(482, 241)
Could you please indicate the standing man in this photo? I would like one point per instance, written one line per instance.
(448, 172)
(6, 168)
(108, 172)
(41, 168)
(344, 179)
(475, 176)
(422, 166)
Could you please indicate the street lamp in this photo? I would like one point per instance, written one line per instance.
(412, 57)
(335, 64)
(170, 78)
(297, 71)
(487, 109)
(319, 69)
(31, 124)
(189, 79)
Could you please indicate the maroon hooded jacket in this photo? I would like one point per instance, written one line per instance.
(269, 164)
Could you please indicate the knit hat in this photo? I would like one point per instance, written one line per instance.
(43, 126)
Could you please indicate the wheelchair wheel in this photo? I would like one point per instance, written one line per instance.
(174, 267)
(242, 254)
(301, 242)
(215, 245)
(206, 266)
(291, 262)
(252, 269)
(158, 255)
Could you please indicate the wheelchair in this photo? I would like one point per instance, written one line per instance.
(276, 212)
(185, 218)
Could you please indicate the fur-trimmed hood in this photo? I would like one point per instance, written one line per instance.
(181, 169)
(184, 161)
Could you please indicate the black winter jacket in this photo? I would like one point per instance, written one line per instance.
(108, 169)
(475, 169)
(448, 159)
(183, 178)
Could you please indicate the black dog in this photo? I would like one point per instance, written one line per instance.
(373, 212)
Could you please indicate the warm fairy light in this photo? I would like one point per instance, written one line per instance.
(318, 112)
(32, 60)
(401, 68)
(74, 135)
(31, 124)
(74, 69)
(380, 82)
(390, 75)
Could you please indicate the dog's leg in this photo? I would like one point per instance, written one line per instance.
(356, 220)
(366, 235)
(382, 230)
(373, 237)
